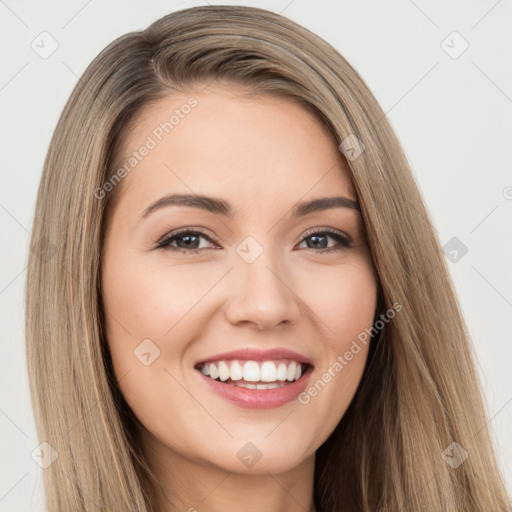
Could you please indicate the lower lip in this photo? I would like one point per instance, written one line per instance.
(258, 398)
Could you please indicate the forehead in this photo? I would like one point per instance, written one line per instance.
(222, 143)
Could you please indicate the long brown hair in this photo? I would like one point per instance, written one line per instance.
(419, 392)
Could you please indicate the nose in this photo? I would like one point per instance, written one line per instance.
(261, 294)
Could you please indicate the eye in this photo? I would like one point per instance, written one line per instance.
(187, 240)
(319, 238)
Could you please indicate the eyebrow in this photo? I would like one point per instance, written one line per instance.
(220, 207)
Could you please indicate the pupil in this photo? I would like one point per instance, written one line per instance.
(313, 237)
(187, 237)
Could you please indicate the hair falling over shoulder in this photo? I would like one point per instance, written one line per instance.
(419, 392)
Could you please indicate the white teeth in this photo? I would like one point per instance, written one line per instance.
(268, 372)
(236, 371)
(254, 371)
(291, 371)
(272, 385)
(223, 371)
(281, 372)
(298, 372)
(251, 371)
(248, 386)
(214, 373)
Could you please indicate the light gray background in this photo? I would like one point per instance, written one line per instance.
(452, 116)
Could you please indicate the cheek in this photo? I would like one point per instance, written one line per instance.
(345, 306)
(344, 302)
(151, 314)
(140, 308)
(147, 301)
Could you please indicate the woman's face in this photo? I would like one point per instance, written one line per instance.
(256, 281)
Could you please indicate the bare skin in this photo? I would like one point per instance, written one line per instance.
(262, 155)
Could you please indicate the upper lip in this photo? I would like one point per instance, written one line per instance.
(254, 354)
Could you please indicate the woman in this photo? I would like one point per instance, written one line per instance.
(309, 353)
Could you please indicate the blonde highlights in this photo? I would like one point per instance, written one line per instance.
(419, 392)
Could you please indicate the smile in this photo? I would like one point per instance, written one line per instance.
(256, 384)
(246, 372)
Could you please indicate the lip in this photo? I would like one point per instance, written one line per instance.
(253, 354)
(258, 398)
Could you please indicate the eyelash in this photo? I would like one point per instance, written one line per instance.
(165, 242)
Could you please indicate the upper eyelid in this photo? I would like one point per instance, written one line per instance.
(172, 234)
(332, 231)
